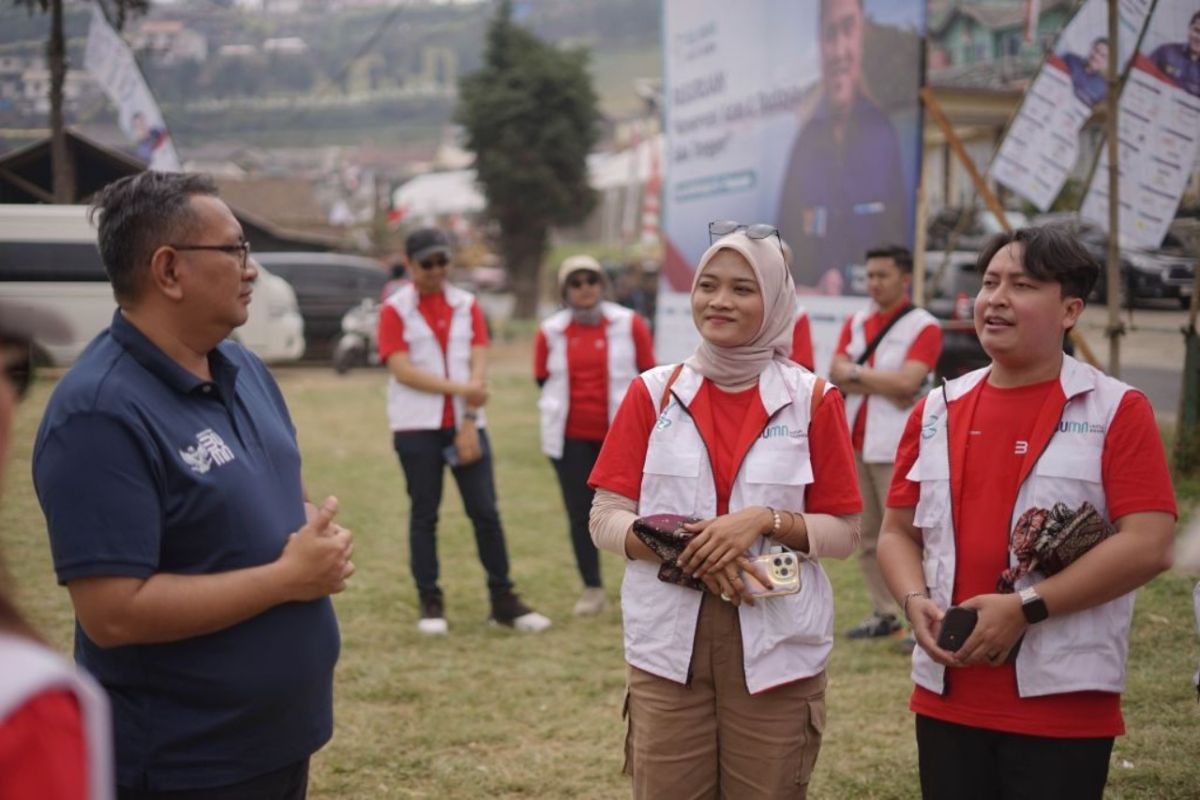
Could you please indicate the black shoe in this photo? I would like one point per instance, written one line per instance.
(433, 615)
(874, 626)
(508, 610)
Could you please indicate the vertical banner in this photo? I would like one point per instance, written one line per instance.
(1158, 129)
(802, 115)
(112, 65)
(1042, 144)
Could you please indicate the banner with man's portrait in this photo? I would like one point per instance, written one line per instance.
(801, 115)
(1041, 146)
(1158, 129)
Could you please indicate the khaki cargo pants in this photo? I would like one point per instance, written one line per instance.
(712, 738)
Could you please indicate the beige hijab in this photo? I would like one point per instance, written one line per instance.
(741, 365)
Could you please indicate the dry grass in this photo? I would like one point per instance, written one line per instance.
(486, 712)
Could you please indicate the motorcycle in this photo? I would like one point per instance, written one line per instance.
(357, 346)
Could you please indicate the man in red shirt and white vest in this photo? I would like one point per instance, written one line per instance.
(883, 357)
(1029, 703)
(433, 339)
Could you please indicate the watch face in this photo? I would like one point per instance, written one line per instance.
(1033, 607)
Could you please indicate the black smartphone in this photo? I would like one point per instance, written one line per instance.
(956, 627)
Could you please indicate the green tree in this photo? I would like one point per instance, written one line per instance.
(531, 120)
(56, 61)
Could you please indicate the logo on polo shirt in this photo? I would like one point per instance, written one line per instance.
(210, 449)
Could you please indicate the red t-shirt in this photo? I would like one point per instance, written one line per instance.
(729, 423)
(802, 346)
(42, 752)
(587, 373)
(926, 348)
(438, 314)
(999, 435)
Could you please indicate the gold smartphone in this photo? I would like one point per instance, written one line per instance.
(780, 570)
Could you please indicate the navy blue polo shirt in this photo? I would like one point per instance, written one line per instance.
(142, 467)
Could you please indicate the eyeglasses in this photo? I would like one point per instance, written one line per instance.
(16, 356)
(759, 230)
(240, 251)
(579, 281)
(438, 261)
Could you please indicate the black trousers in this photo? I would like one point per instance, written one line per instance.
(959, 761)
(421, 458)
(578, 458)
(288, 783)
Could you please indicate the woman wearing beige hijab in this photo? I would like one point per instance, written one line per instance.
(726, 694)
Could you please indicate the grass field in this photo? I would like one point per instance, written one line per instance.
(490, 713)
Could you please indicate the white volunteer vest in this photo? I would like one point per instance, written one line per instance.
(409, 409)
(885, 420)
(30, 669)
(1075, 652)
(784, 638)
(554, 403)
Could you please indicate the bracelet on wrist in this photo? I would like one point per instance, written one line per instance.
(776, 523)
(904, 605)
(471, 415)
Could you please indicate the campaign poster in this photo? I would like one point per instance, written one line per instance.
(1041, 146)
(112, 65)
(1158, 129)
(801, 115)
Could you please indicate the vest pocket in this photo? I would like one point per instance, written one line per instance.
(1081, 463)
(779, 467)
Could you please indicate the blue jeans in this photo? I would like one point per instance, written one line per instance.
(421, 458)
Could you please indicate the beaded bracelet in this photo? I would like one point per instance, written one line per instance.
(910, 596)
(777, 522)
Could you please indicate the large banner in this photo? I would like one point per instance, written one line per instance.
(1158, 129)
(1042, 144)
(112, 65)
(802, 115)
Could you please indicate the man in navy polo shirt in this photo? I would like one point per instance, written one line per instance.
(168, 471)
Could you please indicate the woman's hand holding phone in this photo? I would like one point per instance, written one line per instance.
(720, 541)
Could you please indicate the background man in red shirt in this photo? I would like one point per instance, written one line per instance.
(883, 356)
(433, 339)
(1032, 430)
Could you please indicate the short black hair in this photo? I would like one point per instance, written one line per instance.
(139, 214)
(1049, 253)
(897, 253)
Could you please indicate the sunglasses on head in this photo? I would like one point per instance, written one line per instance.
(759, 230)
(587, 279)
(435, 261)
(16, 357)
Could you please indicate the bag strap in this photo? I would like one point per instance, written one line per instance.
(666, 393)
(882, 333)
(817, 396)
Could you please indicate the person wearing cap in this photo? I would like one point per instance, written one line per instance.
(433, 339)
(168, 470)
(55, 731)
(725, 698)
(585, 356)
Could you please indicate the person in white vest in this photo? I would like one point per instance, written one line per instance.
(433, 339)
(725, 698)
(802, 343)
(884, 355)
(585, 356)
(1029, 704)
(55, 728)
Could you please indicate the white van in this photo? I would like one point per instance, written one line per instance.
(49, 258)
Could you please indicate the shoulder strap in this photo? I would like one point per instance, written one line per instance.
(817, 396)
(666, 393)
(882, 333)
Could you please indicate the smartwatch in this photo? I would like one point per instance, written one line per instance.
(1033, 606)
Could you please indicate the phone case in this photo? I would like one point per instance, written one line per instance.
(956, 627)
(782, 570)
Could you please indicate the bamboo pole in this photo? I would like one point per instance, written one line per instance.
(1116, 329)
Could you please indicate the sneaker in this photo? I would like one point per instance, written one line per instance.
(433, 616)
(593, 601)
(508, 610)
(875, 626)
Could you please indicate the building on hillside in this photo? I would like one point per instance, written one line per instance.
(169, 41)
(972, 32)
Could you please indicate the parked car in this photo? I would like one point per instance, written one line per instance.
(1163, 274)
(969, 227)
(48, 258)
(327, 285)
(951, 283)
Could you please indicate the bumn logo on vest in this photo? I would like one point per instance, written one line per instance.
(209, 449)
